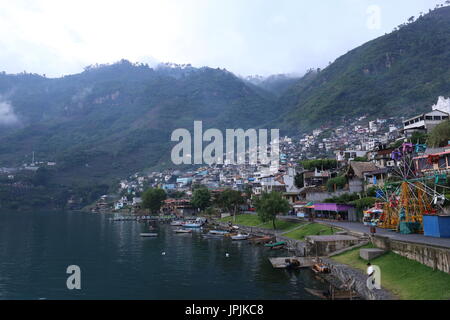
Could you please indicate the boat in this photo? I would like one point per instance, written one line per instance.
(183, 231)
(240, 237)
(320, 268)
(261, 240)
(192, 225)
(197, 223)
(218, 232)
(149, 234)
(275, 245)
(176, 223)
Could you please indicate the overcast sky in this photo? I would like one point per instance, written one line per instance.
(244, 36)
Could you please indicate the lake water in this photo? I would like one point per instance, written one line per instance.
(116, 263)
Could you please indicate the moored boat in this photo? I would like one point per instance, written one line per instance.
(240, 237)
(192, 225)
(176, 223)
(218, 232)
(275, 245)
(320, 268)
(183, 231)
(261, 240)
(148, 234)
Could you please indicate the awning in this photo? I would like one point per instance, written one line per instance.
(309, 205)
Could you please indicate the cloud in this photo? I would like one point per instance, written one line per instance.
(247, 37)
(7, 114)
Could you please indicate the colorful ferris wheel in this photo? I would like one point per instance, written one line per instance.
(410, 194)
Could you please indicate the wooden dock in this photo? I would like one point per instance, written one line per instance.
(305, 262)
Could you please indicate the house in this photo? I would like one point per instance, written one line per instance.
(424, 122)
(376, 177)
(433, 161)
(335, 211)
(381, 156)
(316, 177)
(136, 201)
(349, 155)
(355, 174)
(179, 207)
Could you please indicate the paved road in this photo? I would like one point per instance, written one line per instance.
(417, 238)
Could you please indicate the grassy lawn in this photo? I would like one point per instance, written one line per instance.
(252, 220)
(406, 278)
(311, 230)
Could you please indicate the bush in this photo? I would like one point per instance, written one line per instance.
(319, 164)
(343, 199)
(339, 182)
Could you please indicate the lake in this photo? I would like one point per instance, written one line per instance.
(116, 263)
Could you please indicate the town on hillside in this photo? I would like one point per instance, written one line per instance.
(355, 172)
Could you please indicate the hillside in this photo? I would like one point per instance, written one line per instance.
(399, 74)
(113, 120)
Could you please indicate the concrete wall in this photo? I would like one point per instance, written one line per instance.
(252, 230)
(355, 185)
(323, 248)
(435, 257)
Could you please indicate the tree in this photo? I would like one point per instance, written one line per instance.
(230, 200)
(152, 199)
(418, 137)
(201, 198)
(269, 205)
(336, 183)
(440, 135)
(320, 164)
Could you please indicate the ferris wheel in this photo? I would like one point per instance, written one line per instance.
(411, 193)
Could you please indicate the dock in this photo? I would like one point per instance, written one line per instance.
(305, 262)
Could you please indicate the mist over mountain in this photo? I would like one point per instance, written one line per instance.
(275, 84)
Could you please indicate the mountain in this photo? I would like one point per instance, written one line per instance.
(114, 120)
(398, 74)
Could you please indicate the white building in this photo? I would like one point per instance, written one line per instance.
(424, 122)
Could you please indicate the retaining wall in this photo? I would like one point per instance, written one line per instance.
(435, 257)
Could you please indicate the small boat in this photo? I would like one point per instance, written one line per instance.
(275, 245)
(183, 231)
(192, 225)
(261, 240)
(240, 237)
(149, 234)
(176, 223)
(320, 268)
(218, 232)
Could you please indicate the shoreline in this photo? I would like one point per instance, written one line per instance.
(341, 273)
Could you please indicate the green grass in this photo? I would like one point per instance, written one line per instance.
(252, 220)
(311, 229)
(407, 279)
